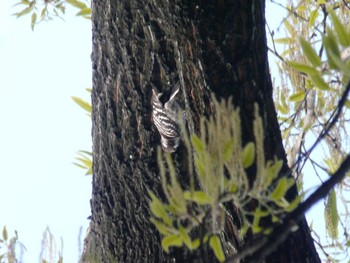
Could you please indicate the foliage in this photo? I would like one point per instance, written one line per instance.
(45, 10)
(314, 70)
(48, 248)
(10, 247)
(84, 158)
(220, 163)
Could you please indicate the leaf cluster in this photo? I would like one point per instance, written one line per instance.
(220, 164)
(44, 10)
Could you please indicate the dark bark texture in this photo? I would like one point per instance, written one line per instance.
(204, 46)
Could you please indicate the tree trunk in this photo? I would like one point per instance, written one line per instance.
(218, 47)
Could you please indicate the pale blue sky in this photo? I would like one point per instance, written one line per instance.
(42, 128)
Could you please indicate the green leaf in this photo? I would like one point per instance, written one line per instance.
(310, 53)
(228, 149)
(171, 241)
(215, 244)
(84, 12)
(199, 197)
(185, 237)
(319, 82)
(347, 243)
(296, 97)
(272, 170)
(331, 215)
(292, 205)
(340, 29)
(43, 13)
(197, 143)
(4, 233)
(158, 209)
(195, 244)
(284, 40)
(282, 187)
(330, 44)
(33, 20)
(302, 68)
(24, 11)
(76, 3)
(162, 228)
(248, 154)
(83, 104)
(313, 17)
(339, 64)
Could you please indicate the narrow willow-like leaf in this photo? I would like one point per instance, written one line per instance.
(302, 68)
(185, 237)
(248, 155)
(319, 82)
(199, 197)
(296, 97)
(83, 104)
(343, 67)
(4, 233)
(162, 228)
(33, 21)
(215, 244)
(171, 241)
(331, 45)
(282, 187)
(284, 40)
(340, 30)
(313, 17)
(76, 3)
(310, 53)
(158, 209)
(331, 215)
(24, 11)
(84, 12)
(197, 143)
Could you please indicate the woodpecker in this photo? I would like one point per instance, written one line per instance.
(164, 115)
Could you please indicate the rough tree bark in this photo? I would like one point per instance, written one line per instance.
(205, 46)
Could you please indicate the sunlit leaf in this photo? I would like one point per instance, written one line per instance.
(330, 44)
(283, 40)
(158, 209)
(185, 237)
(340, 30)
(4, 233)
(83, 104)
(331, 215)
(197, 143)
(292, 205)
(84, 12)
(76, 3)
(24, 11)
(33, 20)
(171, 241)
(296, 97)
(343, 67)
(215, 244)
(319, 82)
(162, 228)
(248, 155)
(282, 187)
(303, 68)
(313, 17)
(310, 53)
(199, 197)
